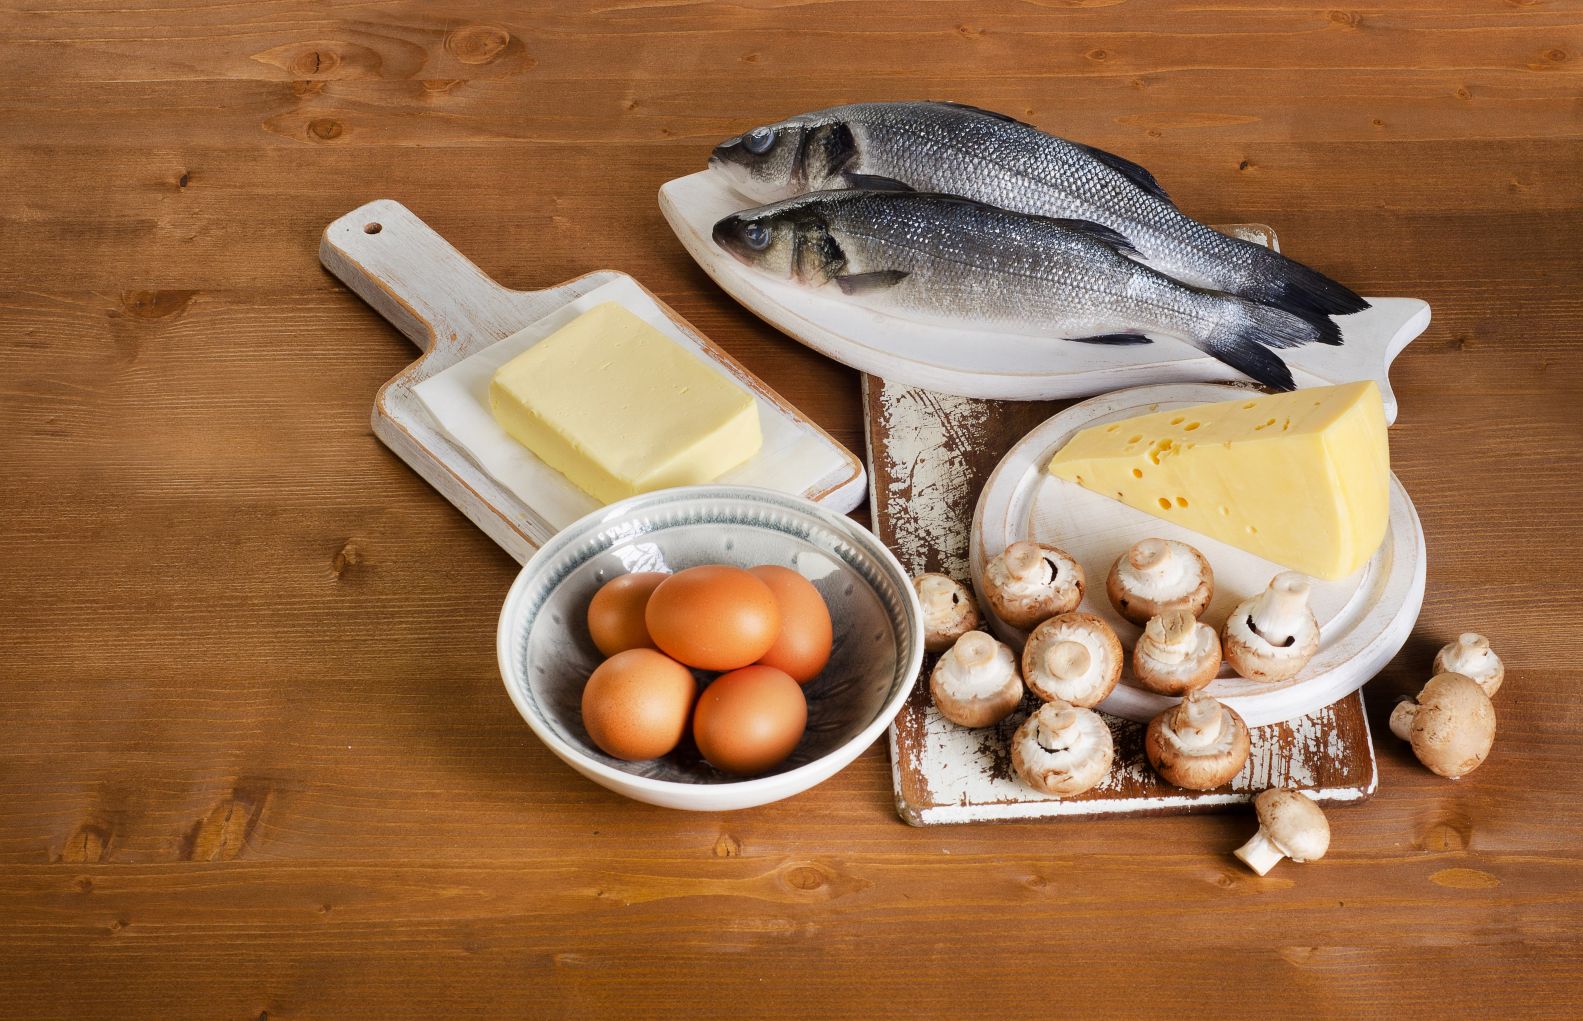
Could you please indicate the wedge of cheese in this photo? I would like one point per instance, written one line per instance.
(1302, 478)
(619, 408)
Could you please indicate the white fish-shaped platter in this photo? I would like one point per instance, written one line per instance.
(954, 359)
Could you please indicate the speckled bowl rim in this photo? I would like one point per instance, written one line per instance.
(809, 774)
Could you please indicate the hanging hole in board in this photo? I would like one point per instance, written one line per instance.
(372, 228)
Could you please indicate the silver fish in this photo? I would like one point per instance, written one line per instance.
(978, 154)
(946, 258)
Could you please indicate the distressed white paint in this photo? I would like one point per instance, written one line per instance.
(926, 433)
(949, 358)
(450, 309)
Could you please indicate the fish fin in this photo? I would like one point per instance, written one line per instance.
(1099, 232)
(1289, 285)
(1128, 169)
(1253, 360)
(1113, 338)
(862, 283)
(1278, 328)
(1246, 333)
(874, 182)
(977, 109)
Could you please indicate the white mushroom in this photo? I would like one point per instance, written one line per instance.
(1273, 635)
(1176, 654)
(1062, 749)
(975, 682)
(1451, 725)
(1198, 743)
(949, 610)
(1156, 576)
(1471, 656)
(1290, 826)
(1074, 658)
(1029, 582)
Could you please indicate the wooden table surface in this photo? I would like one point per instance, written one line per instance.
(255, 758)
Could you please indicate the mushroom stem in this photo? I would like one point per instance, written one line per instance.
(1198, 718)
(1025, 562)
(1281, 609)
(1055, 734)
(1260, 853)
(1402, 719)
(1171, 636)
(1068, 660)
(936, 594)
(1465, 655)
(975, 650)
(1150, 557)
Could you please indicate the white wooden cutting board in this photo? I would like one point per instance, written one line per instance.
(930, 454)
(451, 310)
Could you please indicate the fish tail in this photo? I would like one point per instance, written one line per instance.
(1292, 287)
(1245, 334)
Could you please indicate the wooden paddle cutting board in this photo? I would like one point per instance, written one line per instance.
(929, 456)
(452, 310)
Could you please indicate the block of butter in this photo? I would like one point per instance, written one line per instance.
(1299, 478)
(619, 409)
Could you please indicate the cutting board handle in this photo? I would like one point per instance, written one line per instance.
(413, 277)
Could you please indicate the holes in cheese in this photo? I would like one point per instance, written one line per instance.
(1302, 479)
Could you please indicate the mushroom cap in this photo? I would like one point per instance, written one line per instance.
(976, 683)
(1030, 582)
(949, 610)
(1471, 656)
(1453, 727)
(1085, 675)
(1293, 823)
(1199, 743)
(1176, 654)
(1156, 576)
(1062, 749)
(1286, 616)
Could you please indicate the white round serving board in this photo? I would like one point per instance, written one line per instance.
(1364, 619)
(956, 358)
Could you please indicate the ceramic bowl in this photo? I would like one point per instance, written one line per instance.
(546, 654)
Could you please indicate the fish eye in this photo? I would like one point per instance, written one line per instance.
(758, 141)
(757, 236)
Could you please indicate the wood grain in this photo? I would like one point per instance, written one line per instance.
(255, 759)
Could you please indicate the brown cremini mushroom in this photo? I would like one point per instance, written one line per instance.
(1451, 725)
(1176, 654)
(1471, 656)
(1074, 658)
(1062, 749)
(1273, 635)
(1290, 826)
(949, 610)
(1157, 576)
(1030, 582)
(1198, 743)
(975, 682)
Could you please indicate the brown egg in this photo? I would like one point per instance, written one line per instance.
(803, 646)
(713, 618)
(750, 719)
(636, 704)
(615, 614)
